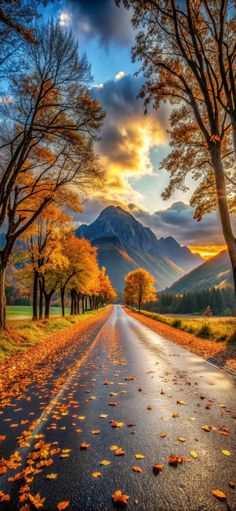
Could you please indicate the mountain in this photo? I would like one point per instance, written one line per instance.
(124, 244)
(181, 256)
(215, 272)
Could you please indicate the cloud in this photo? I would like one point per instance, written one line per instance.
(101, 19)
(178, 221)
(128, 137)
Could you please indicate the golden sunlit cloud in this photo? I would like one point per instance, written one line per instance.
(120, 75)
(207, 251)
(130, 157)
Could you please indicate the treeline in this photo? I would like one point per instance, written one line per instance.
(53, 260)
(221, 301)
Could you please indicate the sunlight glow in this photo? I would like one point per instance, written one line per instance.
(207, 251)
(64, 19)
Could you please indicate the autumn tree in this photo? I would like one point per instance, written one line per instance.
(47, 136)
(45, 241)
(106, 292)
(188, 56)
(139, 288)
(85, 282)
(16, 22)
(81, 273)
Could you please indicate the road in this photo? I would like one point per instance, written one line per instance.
(159, 394)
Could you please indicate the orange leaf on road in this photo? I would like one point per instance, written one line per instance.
(219, 494)
(119, 498)
(63, 505)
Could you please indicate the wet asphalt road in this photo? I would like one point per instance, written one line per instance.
(131, 375)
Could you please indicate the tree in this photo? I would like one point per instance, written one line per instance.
(139, 288)
(45, 241)
(188, 55)
(105, 288)
(15, 26)
(47, 136)
(81, 270)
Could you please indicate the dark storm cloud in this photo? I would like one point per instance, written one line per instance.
(178, 221)
(102, 19)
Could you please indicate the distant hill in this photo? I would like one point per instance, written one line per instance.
(124, 244)
(215, 272)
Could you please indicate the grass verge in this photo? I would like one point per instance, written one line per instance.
(215, 329)
(218, 352)
(23, 334)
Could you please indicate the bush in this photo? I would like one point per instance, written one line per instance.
(205, 332)
(177, 323)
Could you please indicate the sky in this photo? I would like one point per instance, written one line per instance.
(132, 145)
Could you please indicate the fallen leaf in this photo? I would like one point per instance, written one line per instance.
(231, 484)
(36, 500)
(139, 456)
(180, 402)
(103, 416)
(162, 434)
(63, 505)
(136, 468)
(116, 424)
(119, 452)
(219, 494)
(95, 431)
(174, 460)
(119, 498)
(181, 438)
(194, 454)
(226, 453)
(4, 497)
(224, 431)
(114, 447)
(96, 474)
(105, 463)
(84, 445)
(51, 476)
(207, 428)
(157, 468)
(175, 415)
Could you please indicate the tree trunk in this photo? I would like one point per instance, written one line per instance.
(35, 295)
(2, 298)
(223, 207)
(47, 305)
(62, 301)
(82, 299)
(233, 120)
(86, 303)
(78, 303)
(90, 303)
(40, 300)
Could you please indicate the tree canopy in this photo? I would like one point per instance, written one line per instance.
(139, 288)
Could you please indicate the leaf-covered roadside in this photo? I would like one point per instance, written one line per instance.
(15, 370)
(217, 352)
(23, 335)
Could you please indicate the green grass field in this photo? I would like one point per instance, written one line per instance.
(18, 311)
